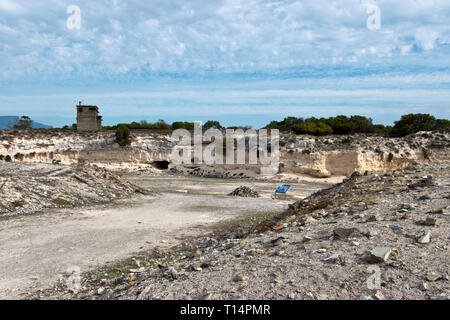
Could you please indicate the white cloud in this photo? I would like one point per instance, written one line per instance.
(220, 36)
(316, 45)
(11, 7)
(426, 38)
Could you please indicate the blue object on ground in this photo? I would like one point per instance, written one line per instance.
(283, 188)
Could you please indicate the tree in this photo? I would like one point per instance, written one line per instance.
(412, 123)
(317, 128)
(183, 125)
(212, 124)
(123, 135)
(23, 123)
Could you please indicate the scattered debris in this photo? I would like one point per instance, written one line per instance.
(424, 238)
(379, 254)
(245, 192)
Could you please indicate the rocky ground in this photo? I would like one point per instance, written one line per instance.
(30, 188)
(370, 237)
(398, 147)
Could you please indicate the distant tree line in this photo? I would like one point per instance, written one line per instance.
(408, 124)
(162, 125)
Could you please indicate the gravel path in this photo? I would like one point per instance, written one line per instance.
(37, 250)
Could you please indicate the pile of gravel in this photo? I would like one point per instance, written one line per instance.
(245, 192)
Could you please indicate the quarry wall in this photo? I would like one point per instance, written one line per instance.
(316, 156)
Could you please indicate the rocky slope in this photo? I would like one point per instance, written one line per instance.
(370, 237)
(28, 188)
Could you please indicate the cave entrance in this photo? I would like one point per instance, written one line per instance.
(161, 165)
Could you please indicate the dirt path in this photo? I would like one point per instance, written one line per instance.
(36, 250)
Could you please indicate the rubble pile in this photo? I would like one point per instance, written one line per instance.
(28, 188)
(245, 192)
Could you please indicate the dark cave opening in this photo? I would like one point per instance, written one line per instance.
(161, 165)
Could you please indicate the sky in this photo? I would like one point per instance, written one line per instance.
(241, 62)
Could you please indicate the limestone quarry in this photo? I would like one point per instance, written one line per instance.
(134, 225)
(319, 157)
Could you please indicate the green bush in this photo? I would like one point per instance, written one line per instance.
(318, 128)
(61, 202)
(427, 153)
(412, 123)
(337, 125)
(123, 135)
(212, 124)
(183, 125)
(143, 125)
(23, 123)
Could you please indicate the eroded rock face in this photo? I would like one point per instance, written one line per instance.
(319, 157)
(90, 148)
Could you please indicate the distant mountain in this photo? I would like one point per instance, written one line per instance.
(7, 121)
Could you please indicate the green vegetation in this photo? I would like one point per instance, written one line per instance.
(245, 128)
(159, 125)
(8, 158)
(123, 135)
(72, 127)
(412, 123)
(183, 125)
(317, 128)
(23, 123)
(164, 126)
(211, 124)
(323, 126)
(61, 202)
(427, 153)
(408, 124)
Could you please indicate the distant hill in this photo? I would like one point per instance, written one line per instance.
(7, 121)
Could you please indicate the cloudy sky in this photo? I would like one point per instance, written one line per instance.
(238, 61)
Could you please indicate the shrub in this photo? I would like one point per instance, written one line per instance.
(412, 123)
(338, 125)
(212, 124)
(427, 153)
(8, 158)
(183, 125)
(61, 202)
(315, 128)
(2, 157)
(123, 135)
(23, 123)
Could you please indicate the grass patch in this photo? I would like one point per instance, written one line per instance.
(61, 202)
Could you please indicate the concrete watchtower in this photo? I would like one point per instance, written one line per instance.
(88, 118)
